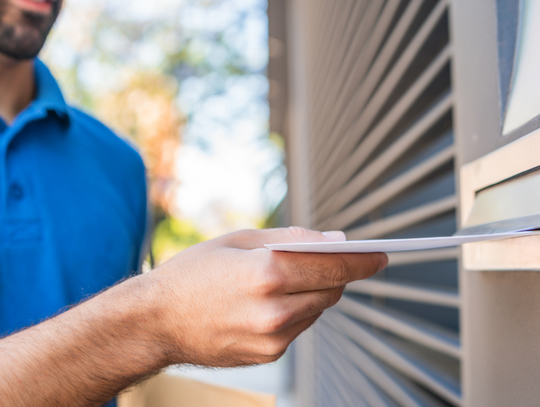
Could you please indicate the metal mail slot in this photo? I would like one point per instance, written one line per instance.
(501, 192)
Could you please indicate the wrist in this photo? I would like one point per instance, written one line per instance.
(135, 309)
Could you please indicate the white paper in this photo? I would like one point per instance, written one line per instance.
(393, 245)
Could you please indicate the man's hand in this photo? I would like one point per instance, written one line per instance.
(225, 302)
(230, 301)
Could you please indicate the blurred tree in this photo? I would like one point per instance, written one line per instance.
(148, 68)
(145, 110)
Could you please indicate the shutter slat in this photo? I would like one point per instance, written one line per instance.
(395, 386)
(403, 220)
(383, 92)
(368, 144)
(386, 159)
(339, 13)
(349, 397)
(356, 90)
(421, 332)
(385, 289)
(363, 26)
(380, 96)
(350, 45)
(423, 256)
(358, 382)
(396, 359)
(357, 73)
(387, 191)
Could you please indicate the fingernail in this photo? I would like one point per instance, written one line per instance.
(335, 235)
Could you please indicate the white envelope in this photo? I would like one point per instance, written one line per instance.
(393, 245)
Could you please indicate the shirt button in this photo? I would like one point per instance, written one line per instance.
(16, 191)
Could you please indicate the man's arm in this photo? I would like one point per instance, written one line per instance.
(226, 302)
(84, 356)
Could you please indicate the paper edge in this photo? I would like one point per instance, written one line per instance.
(481, 238)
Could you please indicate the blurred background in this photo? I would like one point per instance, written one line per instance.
(185, 81)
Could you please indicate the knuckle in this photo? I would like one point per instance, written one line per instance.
(273, 348)
(236, 235)
(239, 238)
(262, 287)
(265, 359)
(327, 299)
(297, 232)
(270, 322)
(335, 296)
(341, 273)
(265, 277)
(267, 282)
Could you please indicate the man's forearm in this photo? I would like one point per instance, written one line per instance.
(225, 302)
(84, 356)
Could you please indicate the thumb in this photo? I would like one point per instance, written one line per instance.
(253, 239)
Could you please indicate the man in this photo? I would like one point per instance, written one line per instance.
(72, 220)
(73, 209)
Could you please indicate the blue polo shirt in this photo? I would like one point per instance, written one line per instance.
(72, 208)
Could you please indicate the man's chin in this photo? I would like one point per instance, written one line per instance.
(24, 37)
(20, 43)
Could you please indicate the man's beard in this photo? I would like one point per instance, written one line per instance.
(25, 38)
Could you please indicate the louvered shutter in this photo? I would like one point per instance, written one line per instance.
(371, 152)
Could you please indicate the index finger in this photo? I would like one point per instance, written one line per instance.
(299, 272)
(256, 239)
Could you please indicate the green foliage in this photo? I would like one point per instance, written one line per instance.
(277, 140)
(174, 235)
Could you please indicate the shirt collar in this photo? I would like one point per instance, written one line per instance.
(48, 94)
